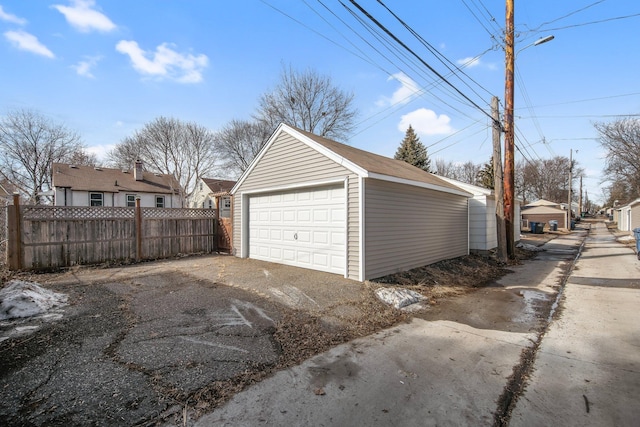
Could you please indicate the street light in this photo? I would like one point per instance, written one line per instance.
(509, 131)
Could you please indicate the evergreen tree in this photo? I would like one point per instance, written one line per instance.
(486, 174)
(412, 151)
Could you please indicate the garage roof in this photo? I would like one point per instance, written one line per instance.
(363, 163)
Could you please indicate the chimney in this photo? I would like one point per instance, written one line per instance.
(137, 171)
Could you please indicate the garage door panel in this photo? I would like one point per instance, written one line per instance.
(305, 228)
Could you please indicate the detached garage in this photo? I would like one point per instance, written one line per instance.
(311, 202)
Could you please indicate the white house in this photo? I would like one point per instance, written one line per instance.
(213, 193)
(96, 186)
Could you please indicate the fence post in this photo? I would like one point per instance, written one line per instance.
(138, 230)
(14, 237)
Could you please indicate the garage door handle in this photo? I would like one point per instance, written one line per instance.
(295, 236)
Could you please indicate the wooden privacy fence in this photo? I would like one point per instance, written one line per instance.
(48, 237)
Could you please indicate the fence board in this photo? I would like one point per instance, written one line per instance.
(55, 237)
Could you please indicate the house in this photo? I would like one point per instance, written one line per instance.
(542, 202)
(213, 193)
(482, 217)
(96, 186)
(311, 202)
(6, 193)
(543, 211)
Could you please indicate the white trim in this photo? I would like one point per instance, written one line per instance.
(469, 227)
(346, 227)
(361, 228)
(296, 186)
(244, 226)
(244, 212)
(473, 189)
(420, 184)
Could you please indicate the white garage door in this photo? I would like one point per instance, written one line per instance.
(303, 228)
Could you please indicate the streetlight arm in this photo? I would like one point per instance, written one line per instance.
(537, 42)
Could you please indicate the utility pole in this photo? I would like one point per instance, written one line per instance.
(569, 196)
(498, 188)
(509, 144)
(580, 210)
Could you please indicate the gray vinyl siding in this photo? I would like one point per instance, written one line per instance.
(408, 227)
(291, 162)
(635, 217)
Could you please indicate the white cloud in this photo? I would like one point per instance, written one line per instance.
(83, 68)
(100, 150)
(84, 18)
(469, 62)
(472, 62)
(426, 122)
(407, 91)
(8, 17)
(25, 41)
(164, 62)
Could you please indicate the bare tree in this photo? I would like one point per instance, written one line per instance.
(621, 140)
(444, 168)
(169, 146)
(545, 179)
(464, 172)
(468, 172)
(239, 142)
(29, 144)
(310, 102)
(83, 158)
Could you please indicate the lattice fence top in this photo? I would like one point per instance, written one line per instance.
(178, 213)
(95, 212)
(76, 212)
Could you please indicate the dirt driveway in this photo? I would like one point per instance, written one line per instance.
(139, 344)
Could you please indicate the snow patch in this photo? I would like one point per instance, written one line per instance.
(19, 299)
(530, 248)
(399, 297)
(626, 239)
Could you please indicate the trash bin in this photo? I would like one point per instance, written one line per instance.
(533, 226)
(540, 228)
(636, 233)
(553, 225)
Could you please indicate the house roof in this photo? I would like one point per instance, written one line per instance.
(542, 202)
(218, 187)
(543, 210)
(6, 189)
(363, 163)
(88, 178)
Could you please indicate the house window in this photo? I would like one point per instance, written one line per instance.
(210, 204)
(96, 199)
(159, 201)
(131, 200)
(226, 203)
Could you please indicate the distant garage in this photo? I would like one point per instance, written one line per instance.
(310, 202)
(305, 227)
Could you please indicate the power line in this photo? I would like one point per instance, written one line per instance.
(443, 59)
(423, 62)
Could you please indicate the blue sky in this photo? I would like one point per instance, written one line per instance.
(107, 67)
